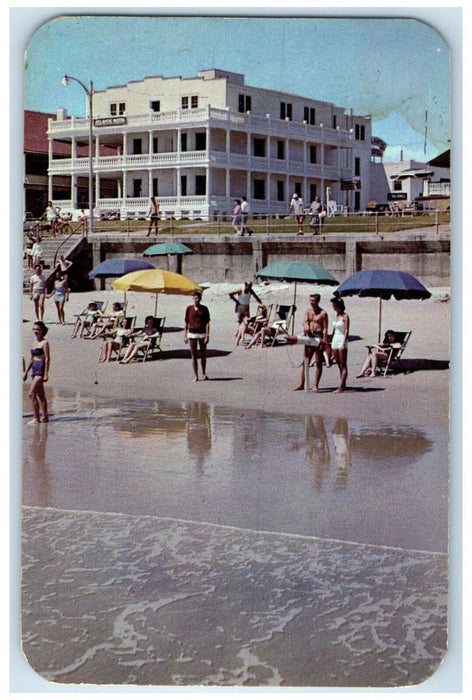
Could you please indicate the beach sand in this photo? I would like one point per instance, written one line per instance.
(264, 379)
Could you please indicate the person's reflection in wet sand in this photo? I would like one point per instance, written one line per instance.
(199, 436)
(36, 471)
(316, 449)
(342, 454)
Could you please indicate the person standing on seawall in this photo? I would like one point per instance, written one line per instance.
(153, 214)
(297, 208)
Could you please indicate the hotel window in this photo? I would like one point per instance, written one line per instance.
(281, 150)
(259, 189)
(335, 121)
(313, 154)
(117, 108)
(156, 105)
(286, 110)
(397, 186)
(183, 142)
(194, 101)
(357, 167)
(360, 132)
(244, 103)
(200, 141)
(259, 148)
(184, 102)
(200, 185)
(309, 115)
(280, 191)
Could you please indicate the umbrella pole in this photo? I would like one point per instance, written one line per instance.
(294, 300)
(155, 306)
(380, 319)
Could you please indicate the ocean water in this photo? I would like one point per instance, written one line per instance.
(171, 543)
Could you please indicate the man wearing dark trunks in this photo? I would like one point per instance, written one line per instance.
(315, 325)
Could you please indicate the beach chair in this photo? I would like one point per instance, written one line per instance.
(120, 350)
(395, 353)
(86, 326)
(154, 345)
(256, 326)
(106, 323)
(283, 316)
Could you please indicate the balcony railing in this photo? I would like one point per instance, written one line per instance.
(234, 161)
(204, 116)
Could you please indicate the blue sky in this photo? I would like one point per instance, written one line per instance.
(397, 70)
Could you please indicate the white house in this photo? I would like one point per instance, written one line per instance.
(411, 181)
(198, 143)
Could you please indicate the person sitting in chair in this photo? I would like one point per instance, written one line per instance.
(142, 339)
(251, 325)
(378, 352)
(269, 332)
(117, 338)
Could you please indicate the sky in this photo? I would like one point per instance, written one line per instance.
(395, 69)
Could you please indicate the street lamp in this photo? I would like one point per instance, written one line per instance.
(89, 91)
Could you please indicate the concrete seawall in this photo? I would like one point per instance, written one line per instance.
(227, 258)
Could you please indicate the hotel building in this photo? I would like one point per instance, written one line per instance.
(199, 143)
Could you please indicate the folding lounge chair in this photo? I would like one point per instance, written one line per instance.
(155, 343)
(395, 353)
(101, 306)
(256, 327)
(284, 313)
(119, 351)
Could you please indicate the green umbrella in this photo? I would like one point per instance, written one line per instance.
(297, 271)
(171, 248)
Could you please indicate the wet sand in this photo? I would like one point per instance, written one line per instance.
(160, 548)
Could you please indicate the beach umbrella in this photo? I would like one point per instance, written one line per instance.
(383, 284)
(171, 248)
(116, 267)
(156, 281)
(297, 271)
(168, 249)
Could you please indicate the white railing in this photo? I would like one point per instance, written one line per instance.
(204, 116)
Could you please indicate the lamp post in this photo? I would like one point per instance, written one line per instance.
(89, 92)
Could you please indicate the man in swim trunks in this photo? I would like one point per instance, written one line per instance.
(38, 291)
(315, 325)
(197, 332)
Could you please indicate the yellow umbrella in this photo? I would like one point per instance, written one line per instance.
(157, 281)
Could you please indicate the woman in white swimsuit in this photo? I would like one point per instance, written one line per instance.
(339, 340)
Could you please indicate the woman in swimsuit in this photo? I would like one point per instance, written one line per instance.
(61, 295)
(142, 339)
(39, 364)
(116, 341)
(339, 340)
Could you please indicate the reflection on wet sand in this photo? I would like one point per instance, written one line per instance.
(188, 544)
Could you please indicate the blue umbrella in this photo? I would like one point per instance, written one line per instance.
(383, 284)
(117, 267)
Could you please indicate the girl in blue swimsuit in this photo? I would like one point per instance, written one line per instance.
(39, 365)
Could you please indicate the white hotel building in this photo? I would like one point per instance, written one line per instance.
(199, 143)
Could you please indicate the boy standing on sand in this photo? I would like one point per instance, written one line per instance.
(197, 332)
